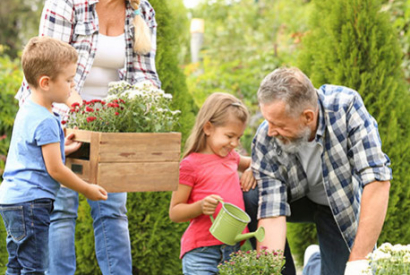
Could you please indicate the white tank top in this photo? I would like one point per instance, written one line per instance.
(110, 57)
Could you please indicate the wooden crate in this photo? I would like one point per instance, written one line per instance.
(127, 162)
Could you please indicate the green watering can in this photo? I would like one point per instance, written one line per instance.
(230, 223)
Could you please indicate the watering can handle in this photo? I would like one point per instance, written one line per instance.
(211, 216)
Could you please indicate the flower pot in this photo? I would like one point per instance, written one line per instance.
(127, 162)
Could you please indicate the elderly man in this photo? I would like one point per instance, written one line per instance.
(317, 158)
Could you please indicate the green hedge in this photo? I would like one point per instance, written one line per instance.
(352, 43)
(10, 80)
(155, 240)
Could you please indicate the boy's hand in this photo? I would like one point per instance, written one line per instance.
(209, 204)
(70, 146)
(247, 180)
(95, 193)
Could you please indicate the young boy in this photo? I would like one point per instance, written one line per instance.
(35, 162)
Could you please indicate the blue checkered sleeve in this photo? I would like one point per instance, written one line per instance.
(273, 197)
(364, 144)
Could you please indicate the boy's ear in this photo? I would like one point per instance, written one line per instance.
(44, 82)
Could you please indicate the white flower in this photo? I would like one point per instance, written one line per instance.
(386, 247)
(397, 248)
(168, 96)
(406, 258)
(378, 255)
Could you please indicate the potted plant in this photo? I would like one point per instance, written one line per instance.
(253, 263)
(128, 143)
(390, 260)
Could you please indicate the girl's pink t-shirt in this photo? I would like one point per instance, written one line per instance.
(207, 175)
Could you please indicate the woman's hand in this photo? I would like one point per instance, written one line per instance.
(248, 181)
(70, 146)
(209, 204)
(73, 98)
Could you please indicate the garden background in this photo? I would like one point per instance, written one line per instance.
(362, 44)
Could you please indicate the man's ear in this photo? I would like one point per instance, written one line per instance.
(44, 82)
(308, 116)
(207, 128)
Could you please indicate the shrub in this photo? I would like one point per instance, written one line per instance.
(10, 80)
(352, 43)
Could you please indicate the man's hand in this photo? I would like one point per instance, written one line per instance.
(70, 146)
(360, 267)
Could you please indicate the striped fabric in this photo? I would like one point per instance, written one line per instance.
(351, 158)
(76, 22)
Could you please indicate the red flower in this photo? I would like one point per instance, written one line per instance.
(121, 100)
(75, 104)
(103, 102)
(88, 109)
(113, 105)
(96, 101)
(116, 113)
(91, 118)
(63, 122)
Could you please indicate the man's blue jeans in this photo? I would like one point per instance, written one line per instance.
(112, 240)
(27, 226)
(204, 260)
(333, 249)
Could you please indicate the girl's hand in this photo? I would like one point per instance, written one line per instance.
(70, 146)
(209, 204)
(247, 180)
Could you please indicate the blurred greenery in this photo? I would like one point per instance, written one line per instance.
(244, 40)
(10, 80)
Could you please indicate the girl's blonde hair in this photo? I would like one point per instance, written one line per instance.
(142, 35)
(217, 109)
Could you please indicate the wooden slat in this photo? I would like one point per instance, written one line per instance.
(94, 155)
(138, 177)
(80, 135)
(85, 164)
(140, 147)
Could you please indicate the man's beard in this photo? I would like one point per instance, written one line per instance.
(293, 146)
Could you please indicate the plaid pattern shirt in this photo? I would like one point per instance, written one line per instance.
(76, 22)
(351, 158)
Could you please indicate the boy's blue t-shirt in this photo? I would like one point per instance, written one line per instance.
(25, 176)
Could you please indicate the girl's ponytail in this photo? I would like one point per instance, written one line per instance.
(142, 35)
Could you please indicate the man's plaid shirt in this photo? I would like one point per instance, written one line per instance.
(352, 157)
(76, 22)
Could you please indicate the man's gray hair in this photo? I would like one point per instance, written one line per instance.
(291, 86)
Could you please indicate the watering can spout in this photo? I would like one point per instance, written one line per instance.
(258, 234)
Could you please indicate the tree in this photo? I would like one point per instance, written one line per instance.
(352, 43)
(19, 21)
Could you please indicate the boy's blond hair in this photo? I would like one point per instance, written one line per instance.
(46, 56)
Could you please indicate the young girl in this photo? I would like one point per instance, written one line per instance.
(208, 173)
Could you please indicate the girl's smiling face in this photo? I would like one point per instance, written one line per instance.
(221, 140)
